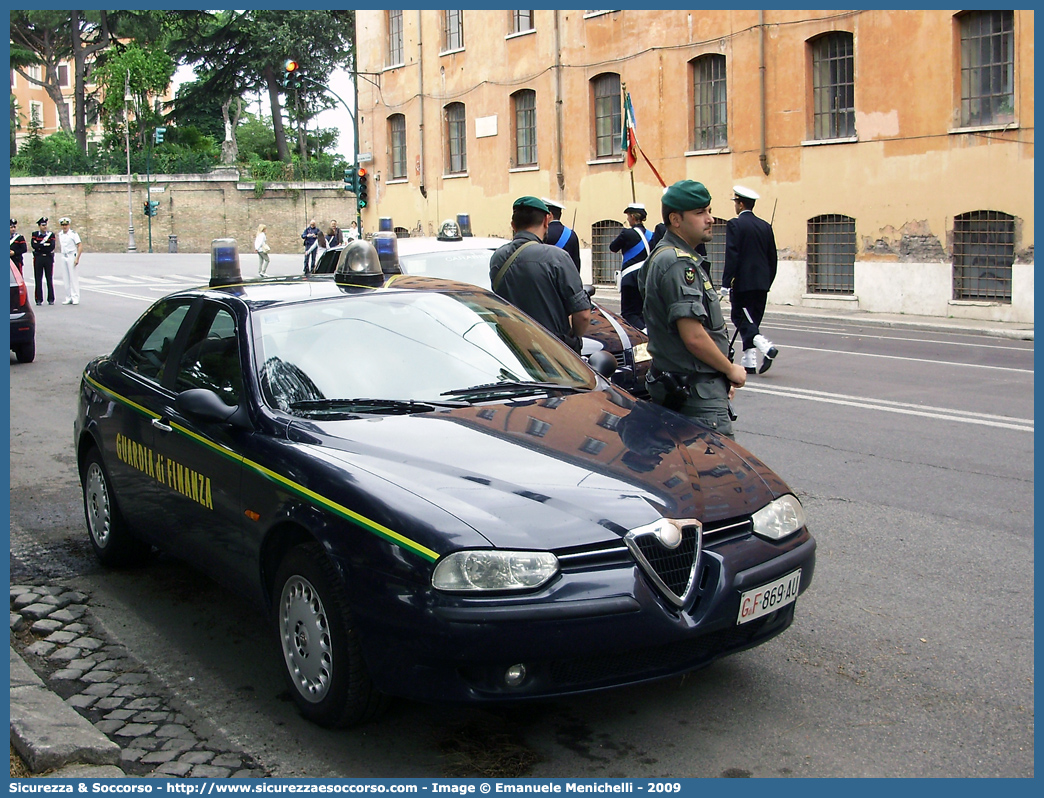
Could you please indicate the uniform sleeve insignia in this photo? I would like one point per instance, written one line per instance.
(690, 274)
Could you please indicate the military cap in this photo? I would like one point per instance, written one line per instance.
(530, 202)
(635, 207)
(550, 203)
(743, 193)
(686, 195)
(14, 222)
(42, 220)
(65, 220)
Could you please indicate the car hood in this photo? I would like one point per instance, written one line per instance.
(553, 472)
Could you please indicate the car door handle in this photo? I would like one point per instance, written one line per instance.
(159, 424)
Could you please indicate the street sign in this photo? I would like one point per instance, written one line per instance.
(364, 157)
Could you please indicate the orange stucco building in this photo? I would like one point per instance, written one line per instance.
(893, 150)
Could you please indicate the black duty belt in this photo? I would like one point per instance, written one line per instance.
(686, 379)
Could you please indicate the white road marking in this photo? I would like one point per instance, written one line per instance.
(849, 334)
(784, 348)
(906, 408)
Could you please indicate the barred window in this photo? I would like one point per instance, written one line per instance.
(456, 139)
(709, 108)
(987, 68)
(716, 251)
(833, 86)
(525, 127)
(397, 135)
(401, 232)
(521, 21)
(983, 254)
(603, 262)
(453, 32)
(395, 55)
(607, 118)
(830, 265)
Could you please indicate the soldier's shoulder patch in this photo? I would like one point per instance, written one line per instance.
(690, 274)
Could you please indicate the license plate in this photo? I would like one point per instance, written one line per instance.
(768, 598)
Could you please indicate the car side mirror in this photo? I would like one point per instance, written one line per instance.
(602, 362)
(202, 404)
(590, 290)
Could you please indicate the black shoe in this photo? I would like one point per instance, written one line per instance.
(751, 370)
(38, 304)
(766, 362)
(51, 302)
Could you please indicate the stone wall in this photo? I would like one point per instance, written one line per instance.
(195, 208)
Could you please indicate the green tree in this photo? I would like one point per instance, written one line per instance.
(146, 72)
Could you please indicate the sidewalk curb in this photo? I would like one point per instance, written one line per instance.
(969, 325)
(47, 733)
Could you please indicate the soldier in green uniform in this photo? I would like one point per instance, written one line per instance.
(691, 368)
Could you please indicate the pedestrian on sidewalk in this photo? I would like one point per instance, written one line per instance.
(750, 268)
(43, 243)
(71, 247)
(262, 249)
(18, 245)
(335, 236)
(310, 236)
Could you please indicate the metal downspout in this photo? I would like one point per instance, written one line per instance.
(559, 144)
(764, 150)
(420, 78)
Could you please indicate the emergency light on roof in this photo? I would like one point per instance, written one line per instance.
(387, 246)
(359, 264)
(224, 262)
(449, 231)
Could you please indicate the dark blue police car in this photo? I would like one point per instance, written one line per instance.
(429, 494)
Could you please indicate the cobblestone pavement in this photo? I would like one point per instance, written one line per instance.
(53, 630)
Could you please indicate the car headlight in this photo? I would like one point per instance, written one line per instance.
(487, 569)
(641, 353)
(779, 518)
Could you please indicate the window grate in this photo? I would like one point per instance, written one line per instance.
(709, 103)
(603, 262)
(987, 68)
(833, 86)
(830, 267)
(716, 252)
(983, 254)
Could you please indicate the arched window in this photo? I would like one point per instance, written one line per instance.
(397, 138)
(833, 86)
(524, 102)
(605, 95)
(710, 130)
(456, 139)
(983, 254)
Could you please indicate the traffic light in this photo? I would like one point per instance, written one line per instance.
(292, 76)
(350, 181)
(160, 131)
(151, 207)
(362, 190)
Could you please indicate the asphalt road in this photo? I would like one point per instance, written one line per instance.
(911, 655)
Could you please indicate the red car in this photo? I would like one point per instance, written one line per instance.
(23, 319)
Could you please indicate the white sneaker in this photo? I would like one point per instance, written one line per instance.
(749, 361)
(67, 301)
(768, 352)
(76, 302)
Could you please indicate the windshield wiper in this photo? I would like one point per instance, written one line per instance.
(389, 406)
(511, 388)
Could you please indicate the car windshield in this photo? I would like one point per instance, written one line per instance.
(419, 346)
(465, 265)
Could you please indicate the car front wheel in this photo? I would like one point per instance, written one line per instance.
(320, 646)
(113, 541)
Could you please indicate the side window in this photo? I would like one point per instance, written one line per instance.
(149, 342)
(211, 358)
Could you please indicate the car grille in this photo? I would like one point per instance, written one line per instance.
(653, 661)
(673, 567)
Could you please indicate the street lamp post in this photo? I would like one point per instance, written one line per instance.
(126, 132)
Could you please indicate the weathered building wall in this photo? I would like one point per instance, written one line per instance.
(903, 178)
(195, 208)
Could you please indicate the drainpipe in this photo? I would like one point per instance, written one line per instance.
(559, 145)
(764, 150)
(420, 78)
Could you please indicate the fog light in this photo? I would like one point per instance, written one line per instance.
(515, 675)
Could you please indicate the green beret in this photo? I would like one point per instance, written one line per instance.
(531, 202)
(686, 195)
